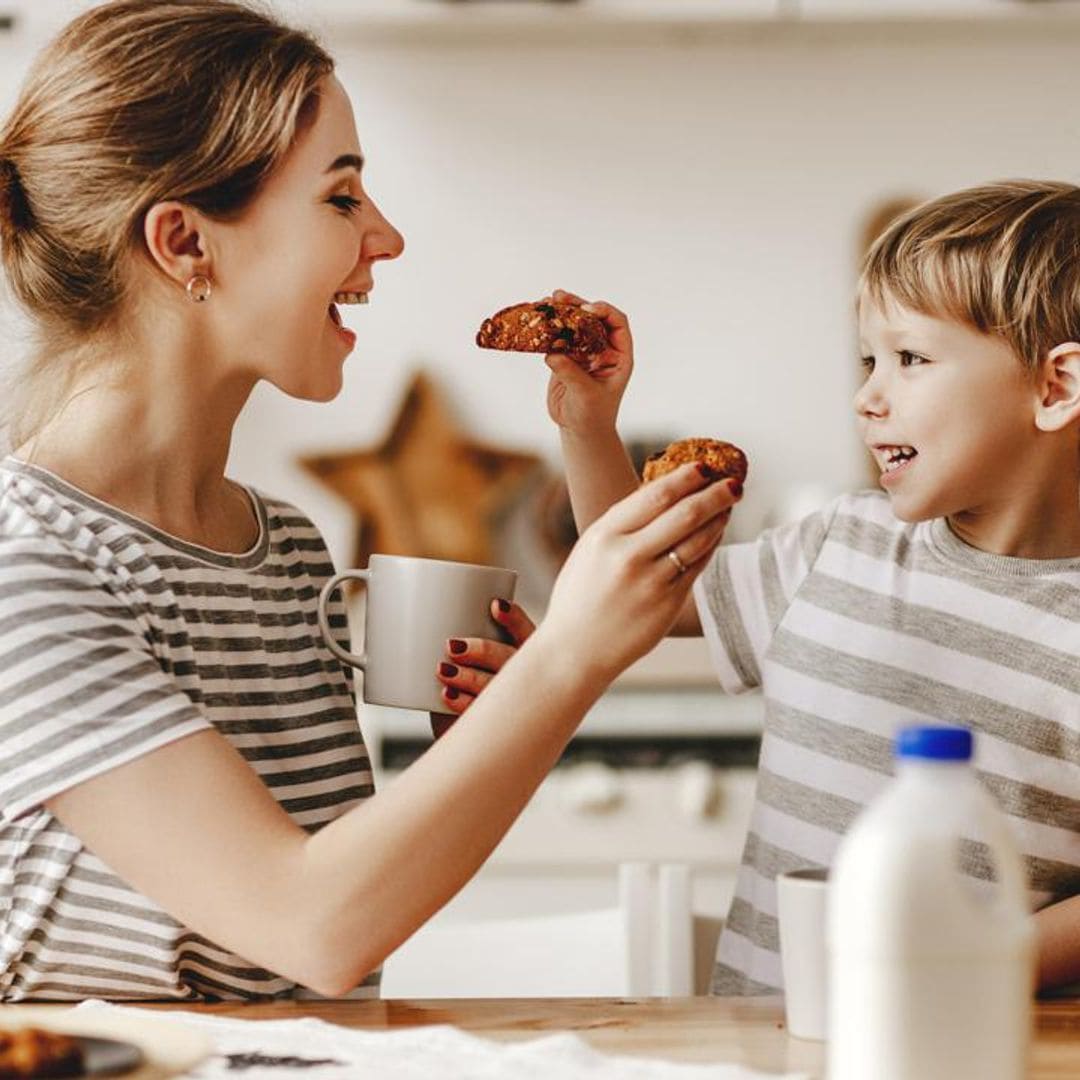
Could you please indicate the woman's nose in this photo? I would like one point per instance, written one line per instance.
(381, 239)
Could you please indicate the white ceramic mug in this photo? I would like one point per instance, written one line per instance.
(413, 607)
(800, 907)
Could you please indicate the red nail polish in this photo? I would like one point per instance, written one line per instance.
(504, 606)
(448, 671)
(736, 488)
(451, 693)
(457, 646)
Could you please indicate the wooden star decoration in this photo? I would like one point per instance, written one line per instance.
(428, 490)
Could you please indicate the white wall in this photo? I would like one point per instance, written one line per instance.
(713, 190)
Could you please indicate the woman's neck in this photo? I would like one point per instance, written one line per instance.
(159, 455)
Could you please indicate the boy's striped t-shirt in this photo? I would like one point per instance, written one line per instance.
(855, 624)
(117, 639)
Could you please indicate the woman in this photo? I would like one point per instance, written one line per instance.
(186, 807)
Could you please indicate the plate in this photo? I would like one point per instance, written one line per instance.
(108, 1057)
(164, 1048)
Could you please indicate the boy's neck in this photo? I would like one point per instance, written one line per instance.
(1040, 523)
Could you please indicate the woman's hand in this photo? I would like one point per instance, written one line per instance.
(471, 663)
(584, 398)
(621, 589)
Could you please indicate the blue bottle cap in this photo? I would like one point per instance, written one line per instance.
(939, 743)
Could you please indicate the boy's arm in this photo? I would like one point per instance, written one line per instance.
(1058, 928)
(599, 473)
(585, 405)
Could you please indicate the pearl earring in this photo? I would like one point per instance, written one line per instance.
(199, 288)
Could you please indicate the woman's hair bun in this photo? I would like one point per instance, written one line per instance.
(15, 212)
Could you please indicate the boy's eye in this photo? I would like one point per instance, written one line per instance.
(867, 364)
(909, 359)
(345, 202)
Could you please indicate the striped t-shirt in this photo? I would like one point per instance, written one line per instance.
(116, 639)
(854, 624)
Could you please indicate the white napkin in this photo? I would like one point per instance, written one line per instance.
(315, 1050)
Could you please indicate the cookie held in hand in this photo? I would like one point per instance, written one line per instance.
(543, 327)
(724, 459)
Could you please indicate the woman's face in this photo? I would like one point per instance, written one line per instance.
(311, 234)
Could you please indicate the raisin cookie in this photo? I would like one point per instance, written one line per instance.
(543, 327)
(29, 1053)
(724, 459)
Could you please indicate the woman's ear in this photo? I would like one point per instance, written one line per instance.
(1057, 402)
(175, 241)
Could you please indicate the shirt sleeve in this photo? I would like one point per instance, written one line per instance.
(81, 689)
(744, 591)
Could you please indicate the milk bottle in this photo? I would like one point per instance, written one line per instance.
(931, 971)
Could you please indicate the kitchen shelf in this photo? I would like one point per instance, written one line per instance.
(593, 23)
(514, 23)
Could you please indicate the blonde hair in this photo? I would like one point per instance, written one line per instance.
(1002, 258)
(135, 102)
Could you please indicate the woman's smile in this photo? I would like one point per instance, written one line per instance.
(347, 335)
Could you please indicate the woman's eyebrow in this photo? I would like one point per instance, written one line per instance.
(346, 161)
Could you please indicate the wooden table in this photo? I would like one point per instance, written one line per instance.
(749, 1031)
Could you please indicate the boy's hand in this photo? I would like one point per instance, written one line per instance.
(471, 663)
(584, 398)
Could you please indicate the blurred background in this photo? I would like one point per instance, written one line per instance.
(713, 167)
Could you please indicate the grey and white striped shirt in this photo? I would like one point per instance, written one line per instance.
(855, 624)
(116, 639)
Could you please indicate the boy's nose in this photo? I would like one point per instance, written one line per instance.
(870, 400)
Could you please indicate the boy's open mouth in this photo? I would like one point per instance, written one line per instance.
(895, 457)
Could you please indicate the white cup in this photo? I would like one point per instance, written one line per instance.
(413, 607)
(800, 906)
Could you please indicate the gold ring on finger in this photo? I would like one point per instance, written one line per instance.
(680, 566)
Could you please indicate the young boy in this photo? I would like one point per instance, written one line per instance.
(952, 595)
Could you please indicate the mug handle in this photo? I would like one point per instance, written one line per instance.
(324, 623)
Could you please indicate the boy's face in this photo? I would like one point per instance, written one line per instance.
(946, 411)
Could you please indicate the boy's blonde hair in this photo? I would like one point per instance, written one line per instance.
(1002, 258)
(135, 102)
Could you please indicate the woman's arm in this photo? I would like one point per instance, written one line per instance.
(193, 827)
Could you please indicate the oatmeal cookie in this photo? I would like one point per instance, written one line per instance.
(723, 458)
(543, 327)
(32, 1052)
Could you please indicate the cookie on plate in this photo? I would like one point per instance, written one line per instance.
(543, 327)
(724, 459)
